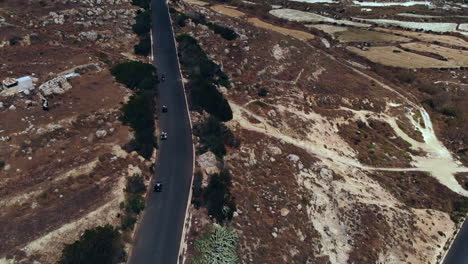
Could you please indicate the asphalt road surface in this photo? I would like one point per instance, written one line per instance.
(159, 234)
(458, 253)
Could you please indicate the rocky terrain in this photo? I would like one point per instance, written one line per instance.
(62, 170)
(342, 159)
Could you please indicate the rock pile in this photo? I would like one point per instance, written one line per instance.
(207, 161)
(57, 85)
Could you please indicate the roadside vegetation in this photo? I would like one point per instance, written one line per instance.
(214, 136)
(460, 210)
(138, 111)
(218, 245)
(204, 76)
(102, 244)
(105, 244)
(181, 20)
(142, 3)
(142, 28)
(135, 202)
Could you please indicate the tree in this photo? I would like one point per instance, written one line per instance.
(99, 245)
(142, 3)
(144, 46)
(132, 73)
(214, 135)
(217, 246)
(138, 113)
(142, 24)
(218, 198)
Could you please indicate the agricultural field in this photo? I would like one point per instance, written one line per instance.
(396, 57)
(349, 34)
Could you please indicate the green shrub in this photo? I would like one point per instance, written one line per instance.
(429, 89)
(225, 32)
(218, 245)
(197, 190)
(2, 164)
(142, 24)
(142, 3)
(461, 205)
(15, 40)
(132, 73)
(406, 76)
(99, 245)
(204, 75)
(180, 19)
(128, 222)
(135, 184)
(207, 96)
(138, 113)
(263, 92)
(135, 203)
(217, 197)
(144, 46)
(214, 135)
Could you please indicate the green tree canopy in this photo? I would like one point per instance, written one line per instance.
(99, 245)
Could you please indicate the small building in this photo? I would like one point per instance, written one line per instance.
(9, 82)
(25, 83)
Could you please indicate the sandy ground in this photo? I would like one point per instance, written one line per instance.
(301, 35)
(228, 11)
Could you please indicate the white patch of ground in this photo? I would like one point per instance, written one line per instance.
(119, 152)
(326, 43)
(438, 160)
(308, 17)
(316, 1)
(322, 140)
(316, 74)
(330, 29)
(278, 52)
(463, 27)
(426, 26)
(416, 15)
(331, 199)
(407, 3)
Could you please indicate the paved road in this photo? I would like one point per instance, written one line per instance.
(159, 234)
(458, 253)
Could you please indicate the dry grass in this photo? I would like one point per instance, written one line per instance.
(228, 11)
(449, 40)
(393, 56)
(301, 35)
(196, 2)
(345, 34)
(456, 56)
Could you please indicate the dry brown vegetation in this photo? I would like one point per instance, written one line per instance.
(311, 142)
(63, 170)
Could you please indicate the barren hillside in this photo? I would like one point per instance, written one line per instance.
(63, 170)
(342, 158)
